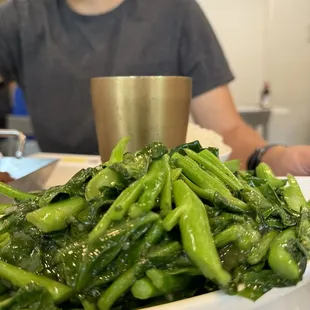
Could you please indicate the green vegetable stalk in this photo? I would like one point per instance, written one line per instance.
(100, 254)
(282, 256)
(224, 220)
(260, 250)
(118, 151)
(167, 283)
(159, 282)
(172, 218)
(29, 297)
(21, 278)
(157, 256)
(212, 163)
(56, 216)
(203, 193)
(263, 171)
(244, 236)
(233, 165)
(118, 209)
(153, 184)
(293, 195)
(144, 289)
(108, 177)
(257, 202)
(288, 217)
(4, 207)
(166, 193)
(88, 304)
(13, 193)
(303, 231)
(129, 257)
(201, 178)
(230, 204)
(196, 235)
(105, 178)
(135, 165)
(175, 174)
(4, 240)
(192, 271)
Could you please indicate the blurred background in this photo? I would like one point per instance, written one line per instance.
(267, 43)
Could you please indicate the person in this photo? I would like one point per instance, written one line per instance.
(52, 48)
(5, 109)
(5, 105)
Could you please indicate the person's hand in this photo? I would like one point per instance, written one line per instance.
(293, 159)
(5, 177)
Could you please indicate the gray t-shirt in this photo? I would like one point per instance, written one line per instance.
(53, 52)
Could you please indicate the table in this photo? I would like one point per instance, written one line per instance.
(260, 118)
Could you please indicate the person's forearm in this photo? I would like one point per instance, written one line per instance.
(243, 140)
(215, 110)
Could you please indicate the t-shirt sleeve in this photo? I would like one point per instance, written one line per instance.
(201, 56)
(8, 42)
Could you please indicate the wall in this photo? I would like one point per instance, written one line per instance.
(268, 40)
(288, 67)
(240, 26)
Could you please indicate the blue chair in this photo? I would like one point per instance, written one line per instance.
(19, 119)
(19, 103)
(19, 109)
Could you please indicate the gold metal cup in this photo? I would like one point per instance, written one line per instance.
(146, 109)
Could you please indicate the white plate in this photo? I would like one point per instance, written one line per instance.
(304, 183)
(276, 299)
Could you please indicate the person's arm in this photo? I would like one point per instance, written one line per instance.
(215, 110)
(9, 42)
(203, 59)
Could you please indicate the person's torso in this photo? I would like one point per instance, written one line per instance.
(61, 51)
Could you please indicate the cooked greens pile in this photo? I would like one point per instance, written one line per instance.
(151, 227)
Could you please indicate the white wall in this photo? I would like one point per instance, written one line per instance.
(268, 40)
(288, 67)
(240, 26)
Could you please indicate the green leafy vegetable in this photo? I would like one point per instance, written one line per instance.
(57, 215)
(30, 297)
(151, 227)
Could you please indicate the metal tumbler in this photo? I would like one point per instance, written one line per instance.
(146, 109)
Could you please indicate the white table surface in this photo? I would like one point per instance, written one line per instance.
(67, 166)
(292, 298)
